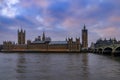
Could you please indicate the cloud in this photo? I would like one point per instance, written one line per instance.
(9, 12)
(8, 8)
(61, 18)
(114, 19)
(108, 32)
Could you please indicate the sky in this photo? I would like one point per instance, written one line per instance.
(59, 18)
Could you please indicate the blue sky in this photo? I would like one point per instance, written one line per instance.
(59, 18)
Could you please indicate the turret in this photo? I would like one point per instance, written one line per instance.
(78, 47)
(70, 41)
(78, 40)
(21, 36)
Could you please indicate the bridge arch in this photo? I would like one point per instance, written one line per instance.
(100, 50)
(117, 51)
(107, 51)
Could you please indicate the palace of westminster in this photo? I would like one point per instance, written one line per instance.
(43, 43)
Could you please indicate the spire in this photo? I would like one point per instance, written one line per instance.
(66, 39)
(84, 27)
(18, 30)
(21, 30)
(24, 31)
(43, 37)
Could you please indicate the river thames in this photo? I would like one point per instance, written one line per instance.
(56, 66)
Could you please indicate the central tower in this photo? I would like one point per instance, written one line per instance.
(43, 36)
(84, 38)
(21, 36)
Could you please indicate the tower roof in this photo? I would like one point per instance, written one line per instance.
(84, 27)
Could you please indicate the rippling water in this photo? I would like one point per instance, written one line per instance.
(34, 66)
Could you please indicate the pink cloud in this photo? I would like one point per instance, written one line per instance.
(70, 22)
(114, 19)
(107, 32)
(41, 3)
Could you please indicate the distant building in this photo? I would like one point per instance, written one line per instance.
(84, 38)
(104, 42)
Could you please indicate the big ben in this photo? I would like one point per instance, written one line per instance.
(84, 38)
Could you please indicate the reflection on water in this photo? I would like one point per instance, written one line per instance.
(35, 66)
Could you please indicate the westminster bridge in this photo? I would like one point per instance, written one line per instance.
(113, 49)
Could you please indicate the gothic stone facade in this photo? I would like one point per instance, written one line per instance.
(42, 44)
(45, 44)
(60, 46)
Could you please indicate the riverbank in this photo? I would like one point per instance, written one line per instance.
(41, 51)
